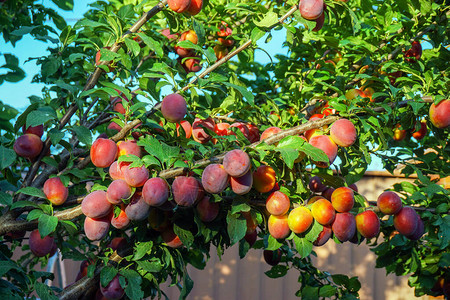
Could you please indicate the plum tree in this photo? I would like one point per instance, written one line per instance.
(275, 152)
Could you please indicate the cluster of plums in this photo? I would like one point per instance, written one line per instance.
(333, 210)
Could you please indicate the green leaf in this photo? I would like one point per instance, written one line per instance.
(106, 275)
(34, 214)
(47, 224)
(239, 205)
(20, 204)
(314, 153)
(142, 249)
(313, 233)
(5, 199)
(152, 44)
(244, 92)
(133, 46)
(134, 281)
(269, 20)
(327, 291)
(40, 116)
(273, 243)
(44, 292)
(55, 136)
(7, 157)
(303, 246)
(185, 235)
(5, 266)
(32, 191)
(64, 4)
(310, 293)
(69, 226)
(153, 265)
(277, 271)
(236, 227)
(289, 156)
(188, 284)
(83, 134)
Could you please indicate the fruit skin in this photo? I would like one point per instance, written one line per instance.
(115, 172)
(343, 199)
(118, 190)
(253, 135)
(242, 185)
(422, 132)
(399, 134)
(171, 239)
(264, 179)
(418, 233)
(191, 36)
(40, 246)
(137, 209)
(185, 190)
(300, 219)
(368, 224)
(179, 6)
(323, 212)
(174, 108)
(269, 132)
(221, 129)
(343, 133)
(236, 163)
(251, 237)
(122, 220)
(103, 152)
(278, 226)
(316, 185)
(319, 22)
(344, 226)
(198, 133)
(36, 130)
(128, 148)
(55, 191)
(135, 177)
(207, 210)
(440, 114)
(325, 144)
(155, 191)
(96, 229)
(278, 203)
(96, 205)
(215, 178)
(220, 51)
(389, 203)
(28, 145)
(327, 193)
(113, 290)
(272, 258)
(323, 237)
(415, 51)
(186, 127)
(406, 221)
(195, 7)
(311, 9)
(192, 65)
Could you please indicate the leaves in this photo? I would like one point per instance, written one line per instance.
(236, 227)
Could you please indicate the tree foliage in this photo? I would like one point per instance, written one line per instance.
(120, 52)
